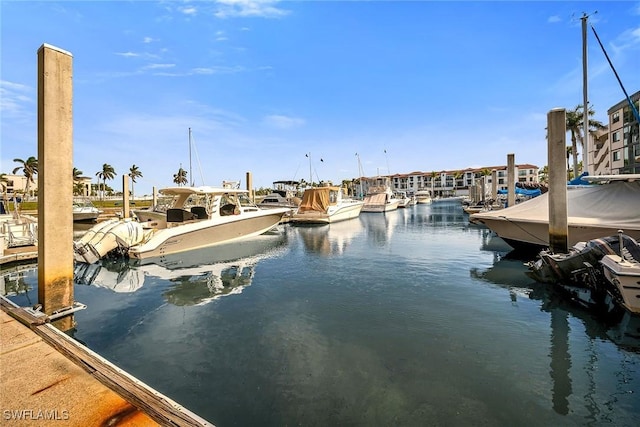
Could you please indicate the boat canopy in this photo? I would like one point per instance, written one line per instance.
(376, 199)
(318, 199)
(174, 191)
(615, 204)
(523, 192)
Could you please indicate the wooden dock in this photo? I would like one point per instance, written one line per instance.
(47, 378)
(19, 254)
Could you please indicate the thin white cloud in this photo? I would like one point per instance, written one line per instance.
(249, 8)
(149, 40)
(220, 36)
(283, 122)
(16, 100)
(158, 66)
(189, 10)
(217, 70)
(128, 54)
(554, 19)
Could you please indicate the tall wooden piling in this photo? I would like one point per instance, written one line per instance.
(250, 186)
(494, 184)
(125, 196)
(154, 197)
(511, 179)
(556, 152)
(55, 181)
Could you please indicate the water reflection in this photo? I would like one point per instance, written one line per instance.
(13, 281)
(330, 239)
(195, 277)
(622, 328)
(380, 226)
(436, 321)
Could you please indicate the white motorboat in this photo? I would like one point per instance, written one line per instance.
(404, 201)
(215, 216)
(380, 197)
(324, 205)
(156, 212)
(623, 273)
(285, 194)
(85, 211)
(423, 197)
(17, 230)
(593, 212)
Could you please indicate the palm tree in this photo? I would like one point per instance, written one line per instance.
(456, 176)
(77, 173)
(180, 178)
(134, 173)
(569, 151)
(3, 182)
(484, 173)
(29, 169)
(543, 174)
(575, 124)
(78, 187)
(107, 172)
(434, 174)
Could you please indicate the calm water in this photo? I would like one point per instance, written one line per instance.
(410, 318)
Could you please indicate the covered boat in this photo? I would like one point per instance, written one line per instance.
(593, 212)
(324, 205)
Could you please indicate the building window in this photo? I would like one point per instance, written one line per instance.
(615, 137)
(615, 117)
(616, 156)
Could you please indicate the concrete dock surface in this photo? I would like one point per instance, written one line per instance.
(46, 378)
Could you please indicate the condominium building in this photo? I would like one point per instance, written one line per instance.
(624, 138)
(449, 182)
(616, 150)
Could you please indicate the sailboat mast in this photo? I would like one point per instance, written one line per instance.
(360, 173)
(190, 174)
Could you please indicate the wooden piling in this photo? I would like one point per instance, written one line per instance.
(250, 186)
(556, 152)
(55, 181)
(511, 179)
(125, 196)
(494, 184)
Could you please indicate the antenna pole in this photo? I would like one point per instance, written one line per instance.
(190, 174)
(585, 99)
(387, 159)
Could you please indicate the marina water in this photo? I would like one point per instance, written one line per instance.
(410, 318)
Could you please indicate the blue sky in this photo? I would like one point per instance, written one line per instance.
(437, 85)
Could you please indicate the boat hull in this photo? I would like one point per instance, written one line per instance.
(624, 276)
(85, 216)
(342, 213)
(387, 207)
(592, 213)
(206, 233)
(534, 235)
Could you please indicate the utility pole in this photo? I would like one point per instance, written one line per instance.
(585, 97)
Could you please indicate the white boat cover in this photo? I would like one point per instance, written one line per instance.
(615, 205)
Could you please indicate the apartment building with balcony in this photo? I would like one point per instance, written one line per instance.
(616, 150)
(459, 182)
(624, 137)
